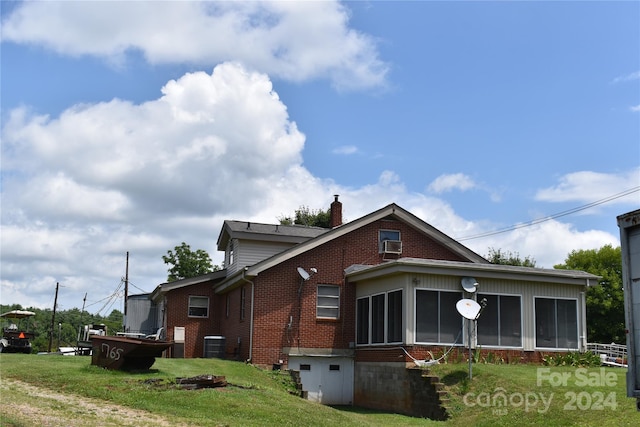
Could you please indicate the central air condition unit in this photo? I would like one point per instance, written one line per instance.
(392, 247)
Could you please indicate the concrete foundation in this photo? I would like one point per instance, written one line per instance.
(395, 388)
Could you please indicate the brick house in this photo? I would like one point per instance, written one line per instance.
(362, 299)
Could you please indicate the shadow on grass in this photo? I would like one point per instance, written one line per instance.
(359, 410)
(455, 377)
(94, 368)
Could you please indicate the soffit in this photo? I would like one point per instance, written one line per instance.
(427, 266)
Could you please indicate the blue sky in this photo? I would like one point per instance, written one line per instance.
(134, 127)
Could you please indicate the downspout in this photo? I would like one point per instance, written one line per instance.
(583, 308)
(250, 317)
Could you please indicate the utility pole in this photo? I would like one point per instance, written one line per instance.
(81, 327)
(53, 317)
(126, 294)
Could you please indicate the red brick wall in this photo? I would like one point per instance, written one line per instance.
(281, 317)
(276, 291)
(195, 328)
(233, 328)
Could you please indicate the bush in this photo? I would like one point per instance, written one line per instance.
(576, 359)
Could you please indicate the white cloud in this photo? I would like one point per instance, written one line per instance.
(229, 121)
(635, 108)
(291, 40)
(83, 188)
(626, 77)
(534, 241)
(589, 186)
(450, 182)
(345, 150)
(58, 195)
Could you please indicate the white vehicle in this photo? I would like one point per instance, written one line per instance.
(15, 335)
(86, 334)
(629, 224)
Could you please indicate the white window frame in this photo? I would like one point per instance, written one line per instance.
(231, 253)
(333, 297)
(386, 317)
(521, 321)
(535, 323)
(381, 240)
(385, 325)
(415, 317)
(193, 304)
(368, 319)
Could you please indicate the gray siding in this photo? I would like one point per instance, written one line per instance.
(247, 253)
(141, 315)
(528, 291)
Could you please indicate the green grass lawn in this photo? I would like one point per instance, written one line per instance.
(557, 396)
(537, 395)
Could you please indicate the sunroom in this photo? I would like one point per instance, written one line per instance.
(411, 303)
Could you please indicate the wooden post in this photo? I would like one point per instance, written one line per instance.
(126, 294)
(53, 317)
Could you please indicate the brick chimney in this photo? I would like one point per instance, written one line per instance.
(336, 213)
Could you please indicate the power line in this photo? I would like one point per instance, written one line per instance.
(554, 216)
(110, 299)
(141, 290)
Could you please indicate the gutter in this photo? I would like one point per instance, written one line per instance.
(497, 271)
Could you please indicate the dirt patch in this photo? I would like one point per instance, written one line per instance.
(24, 404)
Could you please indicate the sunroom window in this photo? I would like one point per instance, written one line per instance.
(379, 318)
(500, 323)
(437, 320)
(556, 323)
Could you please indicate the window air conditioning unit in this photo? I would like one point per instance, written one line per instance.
(392, 247)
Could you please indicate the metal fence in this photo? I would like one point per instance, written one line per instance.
(611, 354)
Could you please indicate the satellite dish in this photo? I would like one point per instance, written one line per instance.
(468, 308)
(469, 284)
(303, 273)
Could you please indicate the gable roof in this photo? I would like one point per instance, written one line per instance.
(389, 211)
(266, 232)
(163, 288)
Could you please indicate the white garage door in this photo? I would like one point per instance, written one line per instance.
(327, 380)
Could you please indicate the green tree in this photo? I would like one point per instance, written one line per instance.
(309, 217)
(67, 325)
(497, 256)
(114, 322)
(605, 302)
(186, 263)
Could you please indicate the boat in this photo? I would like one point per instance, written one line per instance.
(126, 353)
